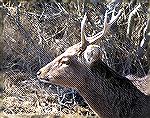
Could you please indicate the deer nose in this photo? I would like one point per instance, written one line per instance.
(38, 73)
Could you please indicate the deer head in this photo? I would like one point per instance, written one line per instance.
(68, 69)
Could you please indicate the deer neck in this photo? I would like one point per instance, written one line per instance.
(113, 96)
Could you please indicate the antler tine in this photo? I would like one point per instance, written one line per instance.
(83, 36)
(84, 42)
(106, 27)
(114, 18)
(100, 34)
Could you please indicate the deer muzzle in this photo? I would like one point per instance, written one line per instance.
(44, 74)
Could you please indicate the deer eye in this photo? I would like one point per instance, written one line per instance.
(66, 61)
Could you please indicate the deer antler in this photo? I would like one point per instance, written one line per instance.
(106, 27)
(85, 41)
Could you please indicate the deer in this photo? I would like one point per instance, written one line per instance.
(108, 94)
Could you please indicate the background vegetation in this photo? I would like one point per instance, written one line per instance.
(34, 32)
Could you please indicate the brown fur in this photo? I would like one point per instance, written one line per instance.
(108, 94)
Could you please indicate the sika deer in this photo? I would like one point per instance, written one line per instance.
(109, 94)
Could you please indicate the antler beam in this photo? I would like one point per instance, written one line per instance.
(85, 41)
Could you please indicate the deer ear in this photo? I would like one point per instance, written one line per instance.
(92, 53)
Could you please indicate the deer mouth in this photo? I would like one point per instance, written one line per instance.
(47, 79)
(44, 80)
